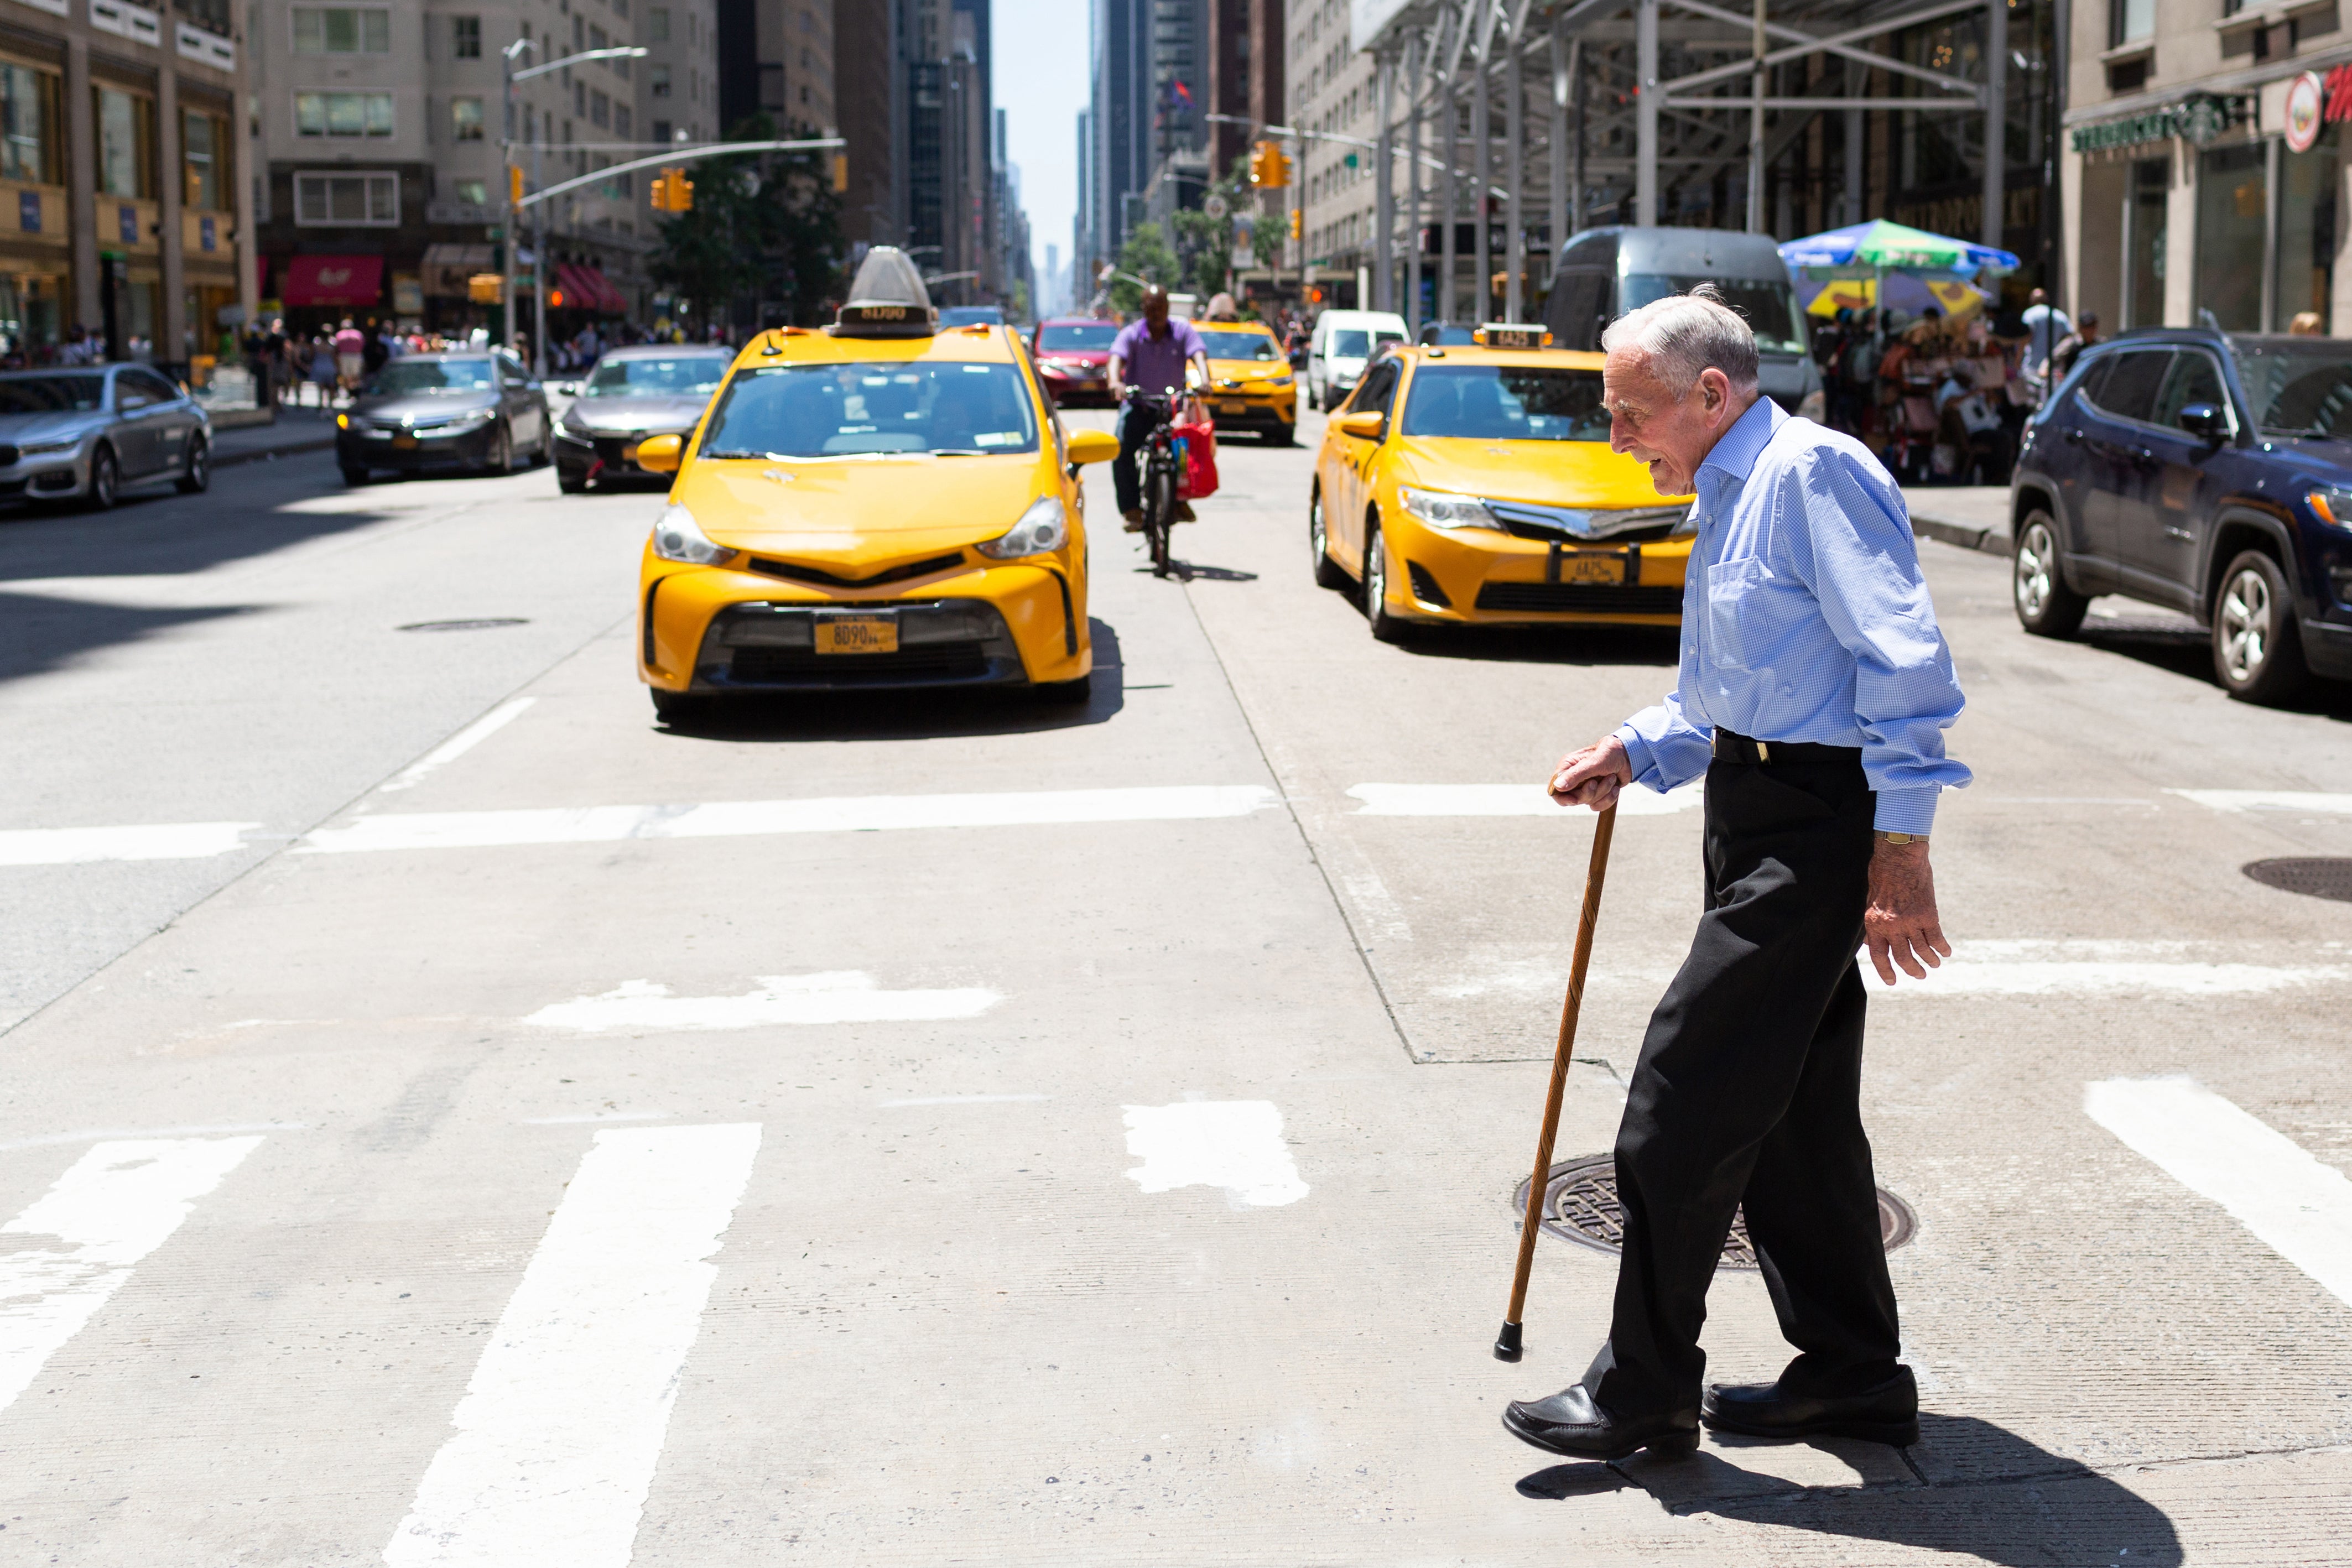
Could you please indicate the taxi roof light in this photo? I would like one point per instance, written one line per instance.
(1511, 335)
(887, 299)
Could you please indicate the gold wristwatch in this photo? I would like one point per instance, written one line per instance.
(1902, 838)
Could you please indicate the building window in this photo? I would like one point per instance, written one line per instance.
(657, 80)
(343, 30)
(596, 39)
(204, 142)
(342, 114)
(466, 37)
(661, 130)
(126, 142)
(466, 118)
(2129, 21)
(657, 24)
(600, 110)
(2232, 218)
(370, 201)
(472, 192)
(28, 119)
(622, 123)
(580, 99)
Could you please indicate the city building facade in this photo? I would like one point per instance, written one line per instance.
(132, 211)
(2205, 167)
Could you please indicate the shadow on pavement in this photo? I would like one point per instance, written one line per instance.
(38, 633)
(913, 712)
(1980, 1492)
(2189, 652)
(1658, 645)
(143, 538)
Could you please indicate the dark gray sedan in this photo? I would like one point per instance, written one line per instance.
(472, 412)
(87, 433)
(632, 393)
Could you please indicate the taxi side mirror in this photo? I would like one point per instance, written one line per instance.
(1368, 425)
(1092, 446)
(661, 453)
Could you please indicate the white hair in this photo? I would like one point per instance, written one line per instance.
(1684, 334)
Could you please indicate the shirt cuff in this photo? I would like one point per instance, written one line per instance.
(1906, 810)
(1638, 755)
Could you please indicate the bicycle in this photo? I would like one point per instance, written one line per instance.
(1159, 475)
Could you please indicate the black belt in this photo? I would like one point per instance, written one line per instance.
(1731, 747)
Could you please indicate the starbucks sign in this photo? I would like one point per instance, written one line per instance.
(2198, 119)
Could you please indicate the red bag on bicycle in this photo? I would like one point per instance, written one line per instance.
(1197, 477)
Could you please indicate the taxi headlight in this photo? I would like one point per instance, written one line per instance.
(1439, 510)
(1042, 529)
(676, 537)
(1280, 378)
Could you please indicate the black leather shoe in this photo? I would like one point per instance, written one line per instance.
(1571, 1423)
(1886, 1414)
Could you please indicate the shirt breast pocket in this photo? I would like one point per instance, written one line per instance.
(1735, 590)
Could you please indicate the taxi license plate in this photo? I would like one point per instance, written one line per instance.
(629, 451)
(1233, 408)
(403, 440)
(858, 635)
(1593, 568)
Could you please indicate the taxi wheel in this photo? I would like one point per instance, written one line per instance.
(1327, 572)
(1385, 626)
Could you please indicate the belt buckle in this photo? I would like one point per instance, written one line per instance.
(1763, 751)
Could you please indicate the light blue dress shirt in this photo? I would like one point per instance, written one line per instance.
(1805, 619)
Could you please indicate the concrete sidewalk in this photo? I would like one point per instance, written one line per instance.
(1973, 516)
(297, 431)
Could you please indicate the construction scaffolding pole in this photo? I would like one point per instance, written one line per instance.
(1417, 57)
(1482, 170)
(1645, 115)
(1996, 127)
(1756, 131)
(1556, 135)
(1383, 194)
(1449, 201)
(1514, 160)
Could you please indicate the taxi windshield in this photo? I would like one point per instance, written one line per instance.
(689, 375)
(1507, 402)
(849, 410)
(1239, 345)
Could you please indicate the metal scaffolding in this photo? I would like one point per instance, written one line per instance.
(1681, 111)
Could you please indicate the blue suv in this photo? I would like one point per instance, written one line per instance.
(2209, 472)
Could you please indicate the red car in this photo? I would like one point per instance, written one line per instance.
(1074, 357)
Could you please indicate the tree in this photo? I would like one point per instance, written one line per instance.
(763, 226)
(1145, 255)
(1206, 244)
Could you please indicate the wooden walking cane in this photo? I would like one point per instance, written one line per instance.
(1507, 1344)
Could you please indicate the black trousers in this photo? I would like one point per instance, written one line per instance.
(1135, 423)
(1748, 1089)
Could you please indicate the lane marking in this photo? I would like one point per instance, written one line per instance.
(1235, 1145)
(91, 1134)
(595, 1116)
(457, 745)
(2028, 968)
(965, 1100)
(2295, 1204)
(142, 842)
(2310, 802)
(117, 1204)
(562, 1424)
(841, 996)
(1508, 801)
(738, 819)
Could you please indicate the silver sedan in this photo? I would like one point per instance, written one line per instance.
(652, 389)
(89, 432)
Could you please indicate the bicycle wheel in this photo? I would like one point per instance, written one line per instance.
(1159, 511)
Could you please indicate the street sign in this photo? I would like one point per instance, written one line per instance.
(1214, 206)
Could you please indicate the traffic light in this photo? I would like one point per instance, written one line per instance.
(514, 184)
(840, 173)
(1269, 166)
(1297, 224)
(673, 192)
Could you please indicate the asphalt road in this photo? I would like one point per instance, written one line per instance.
(451, 1119)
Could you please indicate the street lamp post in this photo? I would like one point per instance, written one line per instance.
(508, 76)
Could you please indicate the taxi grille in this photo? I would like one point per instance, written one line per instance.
(924, 661)
(1579, 599)
(913, 568)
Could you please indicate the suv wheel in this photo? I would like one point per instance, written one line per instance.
(2257, 652)
(2045, 605)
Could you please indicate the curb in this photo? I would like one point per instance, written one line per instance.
(268, 453)
(1967, 535)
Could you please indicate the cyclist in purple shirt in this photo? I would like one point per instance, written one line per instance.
(1149, 356)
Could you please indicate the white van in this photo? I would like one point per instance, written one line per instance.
(1344, 342)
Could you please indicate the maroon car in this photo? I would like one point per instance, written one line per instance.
(1074, 357)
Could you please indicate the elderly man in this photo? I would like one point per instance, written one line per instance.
(1813, 691)
(1148, 356)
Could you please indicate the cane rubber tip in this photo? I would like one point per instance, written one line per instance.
(1507, 1344)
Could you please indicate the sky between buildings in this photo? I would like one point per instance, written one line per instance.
(1039, 68)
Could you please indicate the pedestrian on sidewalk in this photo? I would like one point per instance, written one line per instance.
(1814, 693)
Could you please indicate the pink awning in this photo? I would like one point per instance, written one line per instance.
(333, 281)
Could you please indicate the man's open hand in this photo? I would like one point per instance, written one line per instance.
(1900, 924)
(1593, 776)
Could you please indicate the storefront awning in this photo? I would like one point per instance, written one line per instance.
(587, 289)
(334, 280)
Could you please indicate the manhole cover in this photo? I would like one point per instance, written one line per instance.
(2317, 877)
(1580, 1205)
(484, 625)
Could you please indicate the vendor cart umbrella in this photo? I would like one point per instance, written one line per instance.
(1911, 294)
(1892, 246)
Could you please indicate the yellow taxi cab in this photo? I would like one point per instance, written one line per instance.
(1250, 385)
(1474, 486)
(877, 503)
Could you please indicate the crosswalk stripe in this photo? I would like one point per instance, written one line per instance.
(735, 819)
(841, 996)
(562, 1424)
(457, 746)
(2310, 802)
(138, 841)
(117, 1204)
(2297, 1204)
(1508, 801)
(1234, 1144)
